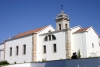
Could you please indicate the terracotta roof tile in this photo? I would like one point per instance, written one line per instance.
(29, 32)
(81, 30)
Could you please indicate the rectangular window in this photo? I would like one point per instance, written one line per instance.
(16, 50)
(44, 49)
(49, 37)
(92, 45)
(24, 49)
(54, 47)
(10, 51)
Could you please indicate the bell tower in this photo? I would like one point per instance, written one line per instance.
(62, 21)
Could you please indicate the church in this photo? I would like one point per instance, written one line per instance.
(47, 43)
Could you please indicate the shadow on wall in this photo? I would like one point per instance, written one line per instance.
(90, 62)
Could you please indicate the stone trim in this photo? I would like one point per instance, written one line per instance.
(63, 30)
(68, 44)
(34, 43)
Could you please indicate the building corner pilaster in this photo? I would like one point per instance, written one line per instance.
(34, 44)
(68, 44)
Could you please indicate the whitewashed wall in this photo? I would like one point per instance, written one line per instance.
(83, 42)
(99, 40)
(20, 58)
(92, 37)
(19, 65)
(74, 29)
(79, 43)
(60, 46)
(2, 52)
(40, 41)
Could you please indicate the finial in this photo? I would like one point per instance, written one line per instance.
(61, 7)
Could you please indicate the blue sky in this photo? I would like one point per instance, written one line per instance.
(18, 16)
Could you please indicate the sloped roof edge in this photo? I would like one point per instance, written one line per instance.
(76, 27)
(29, 32)
(81, 30)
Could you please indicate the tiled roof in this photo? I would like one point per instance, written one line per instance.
(81, 30)
(29, 32)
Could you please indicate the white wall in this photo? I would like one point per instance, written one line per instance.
(2, 52)
(60, 45)
(92, 37)
(79, 43)
(19, 65)
(20, 58)
(99, 40)
(73, 38)
(83, 42)
(39, 40)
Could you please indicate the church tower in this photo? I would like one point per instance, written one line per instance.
(62, 21)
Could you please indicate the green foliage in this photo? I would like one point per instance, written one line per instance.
(14, 62)
(43, 60)
(79, 56)
(4, 63)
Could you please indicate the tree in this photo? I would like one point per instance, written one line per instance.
(79, 56)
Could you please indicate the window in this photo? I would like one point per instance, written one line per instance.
(16, 50)
(49, 31)
(44, 49)
(49, 37)
(54, 48)
(66, 26)
(10, 51)
(53, 37)
(24, 49)
(46, 38)
(59, 26)
(92, 45)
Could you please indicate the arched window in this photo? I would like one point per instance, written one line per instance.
(59, 26)
(53, 37)
(49, 31)
(66, 26)
(46, 38)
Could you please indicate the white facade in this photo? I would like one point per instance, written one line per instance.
(19, 65)
(40, 42)
(2, 52)
(20, 58)
(51, 44)
(60, 46)
(92, 43)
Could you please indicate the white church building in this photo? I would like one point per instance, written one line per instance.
(46, 43)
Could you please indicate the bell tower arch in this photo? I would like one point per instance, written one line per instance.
(62, 21)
